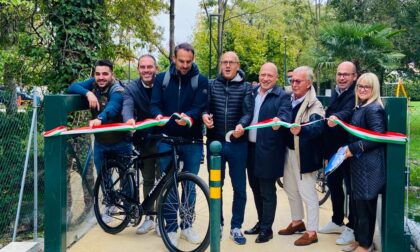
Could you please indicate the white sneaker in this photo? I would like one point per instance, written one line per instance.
(346, 237)
(190, 235)
(173, 237)
(157, 228)
(147, 226)
(331, 228)
(106, 216)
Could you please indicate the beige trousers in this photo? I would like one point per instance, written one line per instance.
(301, 187)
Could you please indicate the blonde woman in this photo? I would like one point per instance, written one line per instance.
(367, 161)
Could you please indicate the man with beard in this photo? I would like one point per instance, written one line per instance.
(105, 97)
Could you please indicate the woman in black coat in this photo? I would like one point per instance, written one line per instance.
(367, 160)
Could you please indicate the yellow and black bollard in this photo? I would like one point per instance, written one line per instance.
(215, 196)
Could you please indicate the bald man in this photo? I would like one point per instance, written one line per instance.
(341, 107)
(266, 149)
(230, 107)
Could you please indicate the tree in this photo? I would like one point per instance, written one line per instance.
(401, 15)
(256, 31)
(171, 28)
(369, 46)
(78, 30)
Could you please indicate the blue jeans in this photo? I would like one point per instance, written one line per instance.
(235, 154)
(101, 150)
(190, 154)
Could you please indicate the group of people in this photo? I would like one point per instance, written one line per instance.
(230, 103)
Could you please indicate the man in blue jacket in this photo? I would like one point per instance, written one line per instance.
(136, 107)
(229, 107)
(184, 91)
(105, 97)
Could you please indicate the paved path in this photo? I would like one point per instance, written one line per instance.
(127, 241)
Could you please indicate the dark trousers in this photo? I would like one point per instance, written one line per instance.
(150, 170)
(269, 203)
(335, 184)
(235, 155)
(254, 182)
(365, 217)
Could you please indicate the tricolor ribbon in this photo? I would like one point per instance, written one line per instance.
(148, 123)
(270, 123)
(387, 137)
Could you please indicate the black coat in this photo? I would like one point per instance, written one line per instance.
(270, 147)
(231, 103)
(342, 107)
(137, 105)
(368, 162)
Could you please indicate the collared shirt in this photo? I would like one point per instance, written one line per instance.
(339, 92)
(259, 99)
(296, 102)
(146, 86)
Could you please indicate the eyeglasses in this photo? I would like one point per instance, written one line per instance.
(225, 62)
(292, 81)
(362, 87)
(345, 75)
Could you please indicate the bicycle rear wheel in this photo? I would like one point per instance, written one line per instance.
(112, 189)
(184, 212)
(322, 187)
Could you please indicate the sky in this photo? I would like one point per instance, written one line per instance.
(185, 19)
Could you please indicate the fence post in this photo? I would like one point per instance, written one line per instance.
(56, 109)
(215, 196)
(394, 237)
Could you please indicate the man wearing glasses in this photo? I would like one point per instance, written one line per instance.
(341, 107)
(230, 107)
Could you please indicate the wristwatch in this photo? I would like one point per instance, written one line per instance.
(100, 118)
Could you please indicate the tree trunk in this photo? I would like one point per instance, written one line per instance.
(10, 83)
(171, 28)
(220, 27)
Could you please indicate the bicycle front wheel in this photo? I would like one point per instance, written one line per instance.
(184, 213)
(113, 189)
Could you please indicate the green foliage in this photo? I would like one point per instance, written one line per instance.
(256, 31)
(368, 46)
(401, 15)
(79, 29)
(415, 143)
(164, 63)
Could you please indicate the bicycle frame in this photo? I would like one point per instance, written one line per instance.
(173, 169)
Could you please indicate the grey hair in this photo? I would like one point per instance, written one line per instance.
(308, 70)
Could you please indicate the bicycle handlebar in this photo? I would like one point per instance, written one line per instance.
(175, 140)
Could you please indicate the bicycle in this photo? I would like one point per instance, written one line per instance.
(182, 197)
(320, 186)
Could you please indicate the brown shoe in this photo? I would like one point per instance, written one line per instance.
(293, 229)
(305, 240)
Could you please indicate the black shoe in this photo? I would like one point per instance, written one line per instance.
(264, 236)
(253, 231)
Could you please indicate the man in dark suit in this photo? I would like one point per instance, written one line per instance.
(341, 107)
(266, 151)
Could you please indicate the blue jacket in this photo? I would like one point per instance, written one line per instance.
(270, 146)
(180, 97)
(115, 99)
(110, 101)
